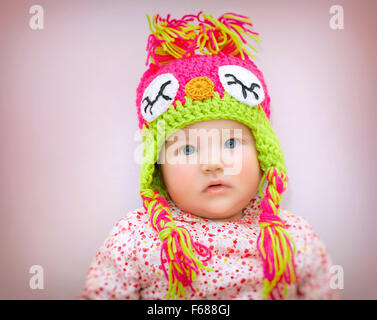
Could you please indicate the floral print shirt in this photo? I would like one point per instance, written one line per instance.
(127, 265)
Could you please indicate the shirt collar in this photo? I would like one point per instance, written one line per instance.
(250, 212)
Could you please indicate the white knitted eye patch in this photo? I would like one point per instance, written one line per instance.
(241, 84)
(158, 96)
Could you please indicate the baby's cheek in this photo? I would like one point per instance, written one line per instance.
(184, 175)
(250, 164)
(181, 176)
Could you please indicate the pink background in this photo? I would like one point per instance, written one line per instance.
(68, 122)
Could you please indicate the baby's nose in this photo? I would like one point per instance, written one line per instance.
(212, 165)
(199, 88)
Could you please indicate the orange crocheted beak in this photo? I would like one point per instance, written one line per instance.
(199, 88)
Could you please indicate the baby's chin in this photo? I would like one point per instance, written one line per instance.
(221, 209)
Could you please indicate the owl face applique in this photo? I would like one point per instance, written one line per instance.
(198, 78)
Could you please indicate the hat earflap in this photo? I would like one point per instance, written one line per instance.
(179, 252)
(275, 246)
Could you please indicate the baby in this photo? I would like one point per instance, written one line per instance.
(192, 171)
(211, 181)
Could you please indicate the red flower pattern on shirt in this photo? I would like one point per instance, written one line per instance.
(127, 265)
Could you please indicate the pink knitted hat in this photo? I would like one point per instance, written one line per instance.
(201, 69)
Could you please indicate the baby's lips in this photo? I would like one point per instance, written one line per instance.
(216, 182)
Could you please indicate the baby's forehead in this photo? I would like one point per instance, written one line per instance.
(218, 127)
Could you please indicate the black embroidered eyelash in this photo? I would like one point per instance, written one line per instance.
(160, 94)
(244, 88)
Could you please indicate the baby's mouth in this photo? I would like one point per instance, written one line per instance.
(216, 188)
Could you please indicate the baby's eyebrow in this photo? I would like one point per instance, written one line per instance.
(186, 131)
(174, 138)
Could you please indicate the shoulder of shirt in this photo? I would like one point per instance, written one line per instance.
(130, 221)
(136, 216)
(293, 221)
(124, 230)
(302, 233)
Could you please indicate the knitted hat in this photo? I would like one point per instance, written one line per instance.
(200, 69)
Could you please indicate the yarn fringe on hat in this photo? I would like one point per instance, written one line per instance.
(178, 248)
(275, 246)
(174, 39)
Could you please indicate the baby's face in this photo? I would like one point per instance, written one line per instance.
(216, 151)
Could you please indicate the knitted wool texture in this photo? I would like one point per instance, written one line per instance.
(182, 257)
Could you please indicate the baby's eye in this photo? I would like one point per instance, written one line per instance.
(187, 150)
(231, 143)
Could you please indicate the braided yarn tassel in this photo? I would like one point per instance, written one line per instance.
(177, 247)
(275, 245)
